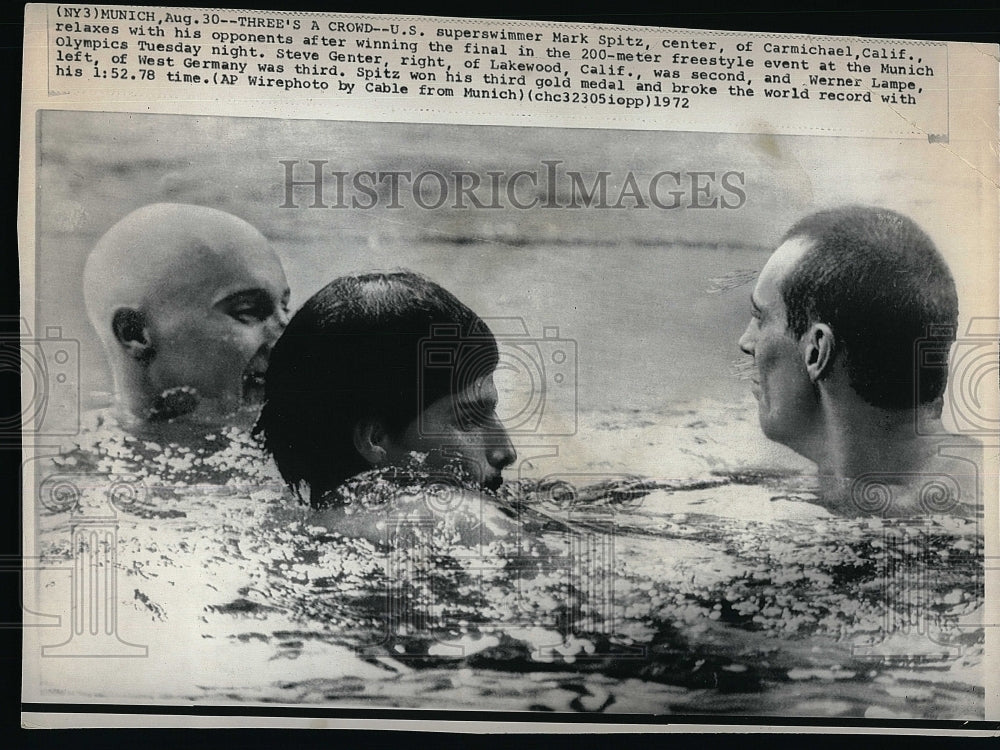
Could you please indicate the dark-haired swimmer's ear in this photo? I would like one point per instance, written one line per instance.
(129, 326)
(818, 350)
(370, 440)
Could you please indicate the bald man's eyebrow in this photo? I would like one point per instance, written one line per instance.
(753, 304)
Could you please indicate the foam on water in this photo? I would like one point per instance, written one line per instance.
(709, 590)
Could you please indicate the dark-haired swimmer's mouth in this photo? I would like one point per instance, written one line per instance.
(493, 483)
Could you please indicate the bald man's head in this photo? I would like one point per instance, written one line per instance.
(188, 301)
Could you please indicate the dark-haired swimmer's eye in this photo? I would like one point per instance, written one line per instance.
(475, 415)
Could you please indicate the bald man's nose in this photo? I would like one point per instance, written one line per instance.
(277, 324)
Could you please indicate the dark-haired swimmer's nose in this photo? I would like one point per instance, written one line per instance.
(501, 453)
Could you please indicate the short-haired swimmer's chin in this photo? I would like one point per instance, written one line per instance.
(370, 441)
(819, 350)
(132, 333)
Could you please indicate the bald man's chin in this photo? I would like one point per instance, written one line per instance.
(173, 403)
(184, 405)
(253, 388)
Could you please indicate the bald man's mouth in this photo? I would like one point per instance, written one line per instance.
(253, 386)
(253, 379)
(173, 403)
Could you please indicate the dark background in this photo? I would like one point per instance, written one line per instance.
(961, 21)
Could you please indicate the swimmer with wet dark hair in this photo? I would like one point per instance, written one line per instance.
(384, 372)
(188, 302)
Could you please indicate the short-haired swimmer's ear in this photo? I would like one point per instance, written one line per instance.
(370, 439)
(819, 347)
(129, 327)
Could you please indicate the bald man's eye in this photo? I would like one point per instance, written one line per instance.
(248, 308)
(247, 315)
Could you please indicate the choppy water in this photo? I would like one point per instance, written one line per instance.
(722, 592)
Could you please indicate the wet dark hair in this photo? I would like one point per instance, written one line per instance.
(358, 349)
(879, 282)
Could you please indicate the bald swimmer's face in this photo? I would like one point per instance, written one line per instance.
(213, 321)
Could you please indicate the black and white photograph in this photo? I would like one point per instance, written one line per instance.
(512, 419)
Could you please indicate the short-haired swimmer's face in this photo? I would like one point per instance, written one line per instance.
(780, 384)
(461, 426)
(212, 325)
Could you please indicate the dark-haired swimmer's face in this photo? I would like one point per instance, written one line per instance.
(462, 426)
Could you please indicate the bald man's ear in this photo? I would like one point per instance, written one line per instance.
(371, 441)
(818, 347)
(132, 333)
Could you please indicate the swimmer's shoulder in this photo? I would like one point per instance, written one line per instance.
(471, 516)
